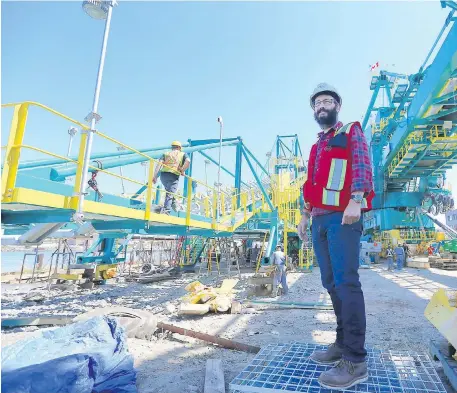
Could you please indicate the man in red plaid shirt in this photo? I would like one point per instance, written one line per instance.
(339, 187)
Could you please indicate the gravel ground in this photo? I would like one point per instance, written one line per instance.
(395, 304)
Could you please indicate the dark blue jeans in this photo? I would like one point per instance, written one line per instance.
(337, 251)
(170, 182)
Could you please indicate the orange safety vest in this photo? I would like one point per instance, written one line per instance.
(172, 162)
(329, 187)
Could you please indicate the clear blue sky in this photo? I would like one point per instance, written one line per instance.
(172, 68)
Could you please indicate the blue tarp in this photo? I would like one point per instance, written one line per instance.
(83, 357)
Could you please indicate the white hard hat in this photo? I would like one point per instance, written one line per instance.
(325, 88)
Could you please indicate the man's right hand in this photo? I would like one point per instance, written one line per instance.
(154, 180)
(302, 227)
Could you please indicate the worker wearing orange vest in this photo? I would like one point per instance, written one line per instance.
(172, 164)
(338, 188)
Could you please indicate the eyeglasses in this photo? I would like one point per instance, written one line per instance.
(325, 103)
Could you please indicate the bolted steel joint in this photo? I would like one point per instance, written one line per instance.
(78, 218)
(91, 116)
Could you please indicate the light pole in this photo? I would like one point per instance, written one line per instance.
(268, 161)
(98, 10)
(221, 128)
(72, 131)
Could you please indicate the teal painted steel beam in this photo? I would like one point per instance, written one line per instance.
(188, 172)
(139, 192)
(437, 74)
(446, 97)
(246, 150)
(287, 136)
(441, 114)
(296, 155)
(299, 148)
(285, 146)
(370, 107)
(222, 167)
(389, 97)
(259, 183)
(450, 4)
(443, 164)
(238, 171)
(60, 173)
(274, 236)
(203, 142)
(448, 20)
(45, 163)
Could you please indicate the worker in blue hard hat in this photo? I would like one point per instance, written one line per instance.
(172, 164)
(339, 187)
(400, 256)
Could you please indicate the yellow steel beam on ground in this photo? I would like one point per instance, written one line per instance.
(68, 277)
(442, 315)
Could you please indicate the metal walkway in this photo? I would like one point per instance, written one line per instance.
(287, 367)
(47, 193)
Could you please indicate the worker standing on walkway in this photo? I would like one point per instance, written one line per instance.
(390, 258)
(172, 164)
(406, 248)
(338, 188)
(400, 256)
(278, 259)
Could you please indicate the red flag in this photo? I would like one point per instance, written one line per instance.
(375, 65)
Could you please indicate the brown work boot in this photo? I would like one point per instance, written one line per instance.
(331, 355)
(344, 375)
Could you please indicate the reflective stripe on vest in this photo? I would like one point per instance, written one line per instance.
(173, 161)
(344, 129)
(337, 174)
(330, 198)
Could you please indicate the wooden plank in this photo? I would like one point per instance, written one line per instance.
(35, 321)
(67, 277)
(418, 264)
(193, 309)
(214, 378)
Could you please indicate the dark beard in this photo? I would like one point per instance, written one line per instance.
(329, 120)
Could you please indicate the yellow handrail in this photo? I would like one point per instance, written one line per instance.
(284, 192)
(32, 103)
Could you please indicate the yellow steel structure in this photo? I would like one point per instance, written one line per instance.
(442, 313)
(284, 193)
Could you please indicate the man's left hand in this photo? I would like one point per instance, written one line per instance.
(352, 213)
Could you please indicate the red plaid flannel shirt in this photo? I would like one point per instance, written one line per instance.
(362, 176)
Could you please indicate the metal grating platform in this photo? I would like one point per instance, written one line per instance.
(287, 367)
